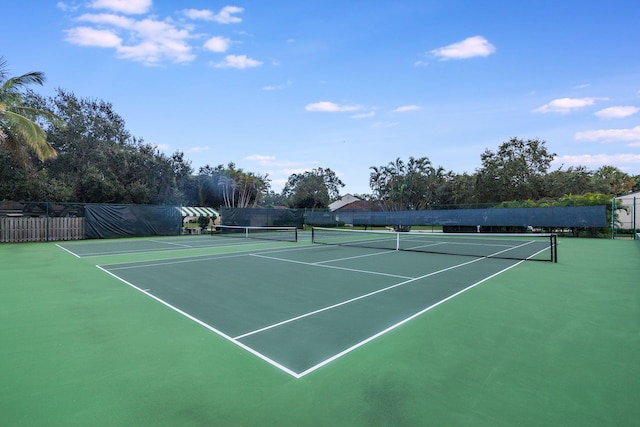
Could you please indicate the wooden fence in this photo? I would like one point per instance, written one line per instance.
(25, 229)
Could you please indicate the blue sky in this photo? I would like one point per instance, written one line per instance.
(281, 87)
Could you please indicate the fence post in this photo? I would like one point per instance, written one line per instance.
(613, 215)
(635, 215)
(46, 225)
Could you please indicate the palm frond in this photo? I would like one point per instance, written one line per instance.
(4, 72)
(19, 129)
(17, 149)
(19, 82)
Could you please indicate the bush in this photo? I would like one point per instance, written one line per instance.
(203, 222)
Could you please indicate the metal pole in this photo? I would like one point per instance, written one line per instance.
(613, 214)
(47, 222)
(635, 215)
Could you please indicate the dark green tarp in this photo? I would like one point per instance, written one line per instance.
(105, 221)
(572, 216)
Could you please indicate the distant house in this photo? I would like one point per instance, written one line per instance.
(342, 202)
(626, 218)
(352, 203)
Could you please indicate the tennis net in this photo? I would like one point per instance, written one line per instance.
(540, 247)
(285, 234)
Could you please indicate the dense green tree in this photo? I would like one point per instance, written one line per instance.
(460, 189)
(101, 161)
(313, 189)
(20, 133)
(636, 184)
(29, 184)
(573, 180)
(514, 172)
(415, 184)
(309, 192)
(230, 187)
(611, 180)
(273, 199)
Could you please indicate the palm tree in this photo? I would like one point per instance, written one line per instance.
(19, 134)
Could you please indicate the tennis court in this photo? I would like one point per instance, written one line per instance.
(300, 308)
(212, 330)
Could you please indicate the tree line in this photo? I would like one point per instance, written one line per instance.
(518, 171)
(65, 148)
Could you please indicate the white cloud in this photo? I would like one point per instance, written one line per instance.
(406, 108)
(86, 36)
(278, 87)
(149, 41)
(364, 115)
(597, 159)
(122, 6)
(467, 48)
(203, 14)
(618, 112)
(66, 7)
(330, 107)
(225, 16)
(108, 19)
(158, 41)
(566, 105)
(238, 61)
(610, 135)
(217, 44)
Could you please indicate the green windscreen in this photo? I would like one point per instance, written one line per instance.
(540, 247)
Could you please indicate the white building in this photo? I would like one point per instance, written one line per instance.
(626, 218)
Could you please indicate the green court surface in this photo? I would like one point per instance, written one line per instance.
(216, 331)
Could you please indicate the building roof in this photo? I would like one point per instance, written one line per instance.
(630, 196)
(363, 206)
(342, 201)
(197, 211)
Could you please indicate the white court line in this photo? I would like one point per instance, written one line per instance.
(313, 264)
(185, 260)
(200, 322)
(311, 313)
(215, 246)
(334, 357)
(239, 243)
(357, 256)
(67, 250)
(170, 243)
(207, 257)
(402, 322)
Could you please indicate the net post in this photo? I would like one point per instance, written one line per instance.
(554, 248)
(634, 210)
(397, 241)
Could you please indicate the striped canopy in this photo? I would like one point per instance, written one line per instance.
(197, 211)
